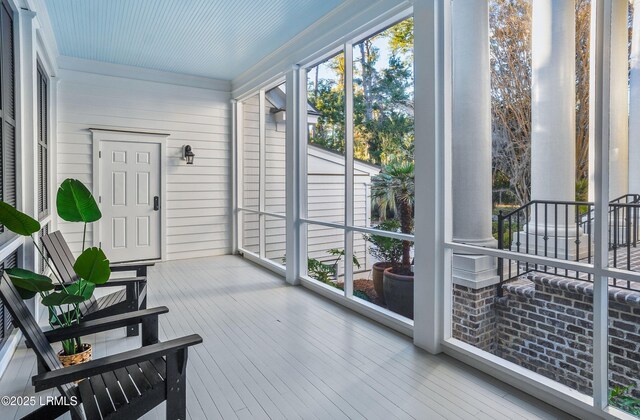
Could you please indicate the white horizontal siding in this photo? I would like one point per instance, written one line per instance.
(325, 189)
(198, 196)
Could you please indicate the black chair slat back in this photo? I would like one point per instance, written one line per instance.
(32, 332)
(60, 256)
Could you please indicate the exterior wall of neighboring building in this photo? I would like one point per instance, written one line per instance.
(326, 194)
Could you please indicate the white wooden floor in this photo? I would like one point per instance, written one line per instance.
(273, 351)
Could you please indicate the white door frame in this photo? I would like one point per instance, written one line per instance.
(100, 135)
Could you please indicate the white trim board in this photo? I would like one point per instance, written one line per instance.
(101, 135)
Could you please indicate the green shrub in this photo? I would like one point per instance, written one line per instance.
(383, 248)
(620, 398)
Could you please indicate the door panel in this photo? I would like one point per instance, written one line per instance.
(130, 179)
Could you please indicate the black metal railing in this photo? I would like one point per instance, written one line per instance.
(564, 230)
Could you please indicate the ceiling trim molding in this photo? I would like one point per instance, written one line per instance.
(44, 33)
(142, 73)
(342, 24)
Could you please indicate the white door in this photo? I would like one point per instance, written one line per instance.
(130, 200)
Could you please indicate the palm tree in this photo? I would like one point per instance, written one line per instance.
(393, 189)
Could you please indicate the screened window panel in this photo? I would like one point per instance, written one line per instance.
(43, 146)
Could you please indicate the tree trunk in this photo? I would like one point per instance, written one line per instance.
(366, 80)
(406, 226)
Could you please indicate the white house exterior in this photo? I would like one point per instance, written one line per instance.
(294, 198)
(326, 191)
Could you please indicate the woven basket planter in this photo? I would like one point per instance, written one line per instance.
(76, 359)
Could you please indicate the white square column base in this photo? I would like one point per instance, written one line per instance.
(475, 271)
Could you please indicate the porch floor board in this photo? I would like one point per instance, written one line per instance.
(272, 351)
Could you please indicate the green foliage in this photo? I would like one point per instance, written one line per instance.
(339, 253)
(320, 271)
(506, 238)
(93, 266)
(82, 288)
(29, 283)
(383, 248)
(75, 203)
(620, 398)
(62, 298)
(401, 37)
(326, 272)
(393, 189)
(362, 295)
(382, 98)
(16, 221)
(582, 189)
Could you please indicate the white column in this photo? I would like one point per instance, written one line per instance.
(432, 76)
(553, 133)
(553, 99)
(634, 104)
(471, 142)
(619, 106)
(296, 161)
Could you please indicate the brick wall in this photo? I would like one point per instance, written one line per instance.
(545, 324)
(474, 316)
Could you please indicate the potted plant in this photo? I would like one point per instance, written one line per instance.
(387, 251)
(393, 189)
(74, 204)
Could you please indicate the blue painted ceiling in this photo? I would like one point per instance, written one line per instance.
(211, 38)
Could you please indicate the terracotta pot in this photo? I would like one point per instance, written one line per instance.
(76, 359)
(398, 291)
(377, 275)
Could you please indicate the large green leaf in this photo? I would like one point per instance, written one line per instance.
(82, 288)
(29, 283)
(61, 298)
(75, 202)
(17, 221)
(93, 266)
(30, 280)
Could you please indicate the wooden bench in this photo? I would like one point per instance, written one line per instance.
(132, 298)
(123, 386)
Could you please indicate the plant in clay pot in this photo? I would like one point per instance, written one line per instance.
(393, 189)
(74, 203)
(387, 251)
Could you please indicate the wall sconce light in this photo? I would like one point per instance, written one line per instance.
(187, 154)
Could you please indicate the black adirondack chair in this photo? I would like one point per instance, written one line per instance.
(132, 298)
(123, 386)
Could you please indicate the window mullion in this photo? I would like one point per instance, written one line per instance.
(601, 21)
(348, 168)
(238, 147)
(261, 171)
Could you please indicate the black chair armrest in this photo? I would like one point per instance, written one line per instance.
(103, 324)
(113, 282)
(69, 374)
(122, 282)
(139, 268)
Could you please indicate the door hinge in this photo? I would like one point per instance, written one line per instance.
(99, 199)
(99, 154)
(100, 244)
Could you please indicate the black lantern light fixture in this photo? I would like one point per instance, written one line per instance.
(187, 154)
